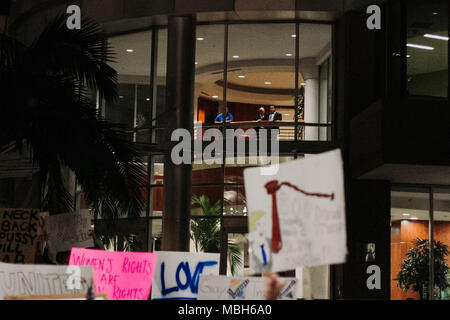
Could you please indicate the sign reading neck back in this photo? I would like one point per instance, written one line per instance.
(18, 235)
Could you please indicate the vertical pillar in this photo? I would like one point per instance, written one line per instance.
(179, 106)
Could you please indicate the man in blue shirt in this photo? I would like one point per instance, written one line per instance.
(228, 118)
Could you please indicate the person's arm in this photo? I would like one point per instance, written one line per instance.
(273, 286)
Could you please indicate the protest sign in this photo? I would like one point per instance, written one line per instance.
(177, 274)
(242, 288)
(27, 280)
(297, 217)
(18, 235)
(69, 230)
(121, 275)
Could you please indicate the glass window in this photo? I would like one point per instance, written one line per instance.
(409, 222)
(441, 234)
(427, 48)
(261, 74)
(315, 48)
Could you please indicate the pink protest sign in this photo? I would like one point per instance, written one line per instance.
(122, 275)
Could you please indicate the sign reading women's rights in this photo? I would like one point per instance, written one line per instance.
(18, 235)
(31, 280)
(121, 275)
(242, 288)
(177, 274)
(69, 230)
(297, 217)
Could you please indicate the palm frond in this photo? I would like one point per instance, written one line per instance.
(83, 53)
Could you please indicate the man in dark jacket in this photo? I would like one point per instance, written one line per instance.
(273, 116)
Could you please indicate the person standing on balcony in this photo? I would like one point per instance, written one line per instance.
(274, 116)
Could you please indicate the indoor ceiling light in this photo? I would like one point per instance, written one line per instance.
(405, 214)
(196, 62)
(289, 54)
(303, 83)
(435, 13)
(241, 76)
(267, 82)
(148, 99)
(215, 97)
(130, 50)
(235, 57)
(200, 38)
(418, 46)
(414, 218)
(293, 35)
(434, 36)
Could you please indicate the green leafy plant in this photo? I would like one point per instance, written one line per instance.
(205, 232)
(414, 273)
(46, 106)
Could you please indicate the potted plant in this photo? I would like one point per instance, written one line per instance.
(206, 232)
(414, 273)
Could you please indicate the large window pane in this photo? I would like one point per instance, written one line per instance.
(315, 76)
(427, 48)
(441, 233)
(261, 73)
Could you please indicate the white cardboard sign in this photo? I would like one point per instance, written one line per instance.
(69, 230)
(177, 274)
(306, 198)
(34, 279)
(242, 288)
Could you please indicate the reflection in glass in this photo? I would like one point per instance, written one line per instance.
(427, 48)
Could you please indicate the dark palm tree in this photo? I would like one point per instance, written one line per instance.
(206, 232)
(45, 106)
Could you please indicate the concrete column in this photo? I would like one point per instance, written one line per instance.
(179, 103)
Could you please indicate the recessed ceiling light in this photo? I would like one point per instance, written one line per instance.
(215, 97)
(267, 82)
(408, 56)
(241, 76)
(405, 214)
(196, 62)
(200, 38)
(435, 13)
(418, 46)
(286, 114)
(130, 50)
(414, 218)
(303, 83)
(293, 35)
(121, 97)
(148, 99)
(289, 54)
(236, 57)
(435, 36)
